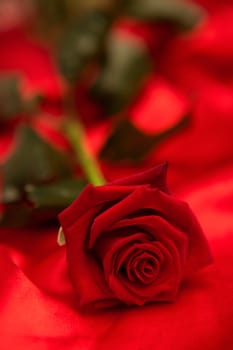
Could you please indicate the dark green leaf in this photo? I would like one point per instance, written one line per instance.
(59, 194)
(38, 205)
(127, 63)
(127, 143)
(10, 99)
(82, 42)
(182, 13)
(33, 160)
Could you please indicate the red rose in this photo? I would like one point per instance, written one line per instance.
(131, 242)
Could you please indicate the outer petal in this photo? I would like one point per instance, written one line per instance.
(155, 177)
(92, 197)
(122, 209)
(87, 276)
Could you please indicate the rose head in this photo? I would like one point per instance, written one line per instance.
(131, 242)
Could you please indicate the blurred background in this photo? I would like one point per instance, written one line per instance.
(147, 81)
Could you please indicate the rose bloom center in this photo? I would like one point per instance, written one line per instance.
(141, 266)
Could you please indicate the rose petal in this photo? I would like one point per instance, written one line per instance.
(133, 202)
(87, 276)
(116, 212)
(155, 177)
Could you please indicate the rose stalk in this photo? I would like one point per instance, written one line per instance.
(129, 241)
(76, 135)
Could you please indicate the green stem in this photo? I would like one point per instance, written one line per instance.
(76, 135)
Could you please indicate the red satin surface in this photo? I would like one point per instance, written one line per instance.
(38, 308)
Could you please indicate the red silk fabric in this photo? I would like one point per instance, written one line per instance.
(38, 309)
